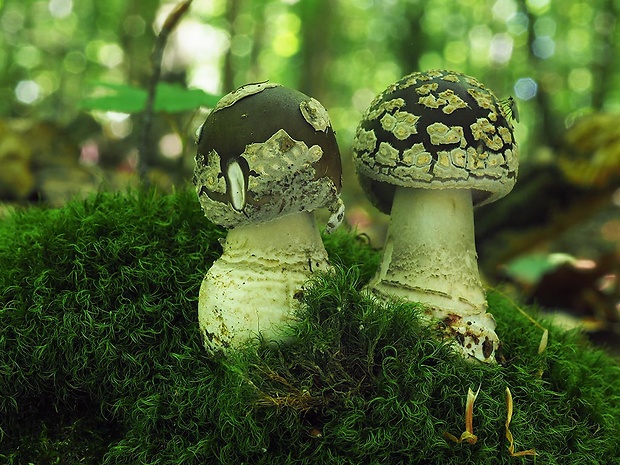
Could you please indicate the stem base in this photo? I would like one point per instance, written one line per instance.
(255, 285)
(430, 257)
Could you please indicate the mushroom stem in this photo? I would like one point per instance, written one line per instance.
(255, 285)
(430, 257)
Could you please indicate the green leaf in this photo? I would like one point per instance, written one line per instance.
(123, 99)
(173, 98)
(529, 269)
(169, 98)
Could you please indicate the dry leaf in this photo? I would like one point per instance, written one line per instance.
(511, 447)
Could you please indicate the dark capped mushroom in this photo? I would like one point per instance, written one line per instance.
(428, 149)
(267, 157)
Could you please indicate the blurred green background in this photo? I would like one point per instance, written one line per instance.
(555, 239)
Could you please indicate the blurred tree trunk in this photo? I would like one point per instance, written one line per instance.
(136, 43)
(317, 48)
(228, 78)
(603, 62)
(409, 45)
(551, 126)
(255, 72)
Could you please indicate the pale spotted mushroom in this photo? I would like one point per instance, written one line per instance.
(267, 157)
(428, 149)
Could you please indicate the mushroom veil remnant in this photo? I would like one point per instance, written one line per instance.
(428, 149)
(267, 157)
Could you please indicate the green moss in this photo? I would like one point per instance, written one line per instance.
(99, 345)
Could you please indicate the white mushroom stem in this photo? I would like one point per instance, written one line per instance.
(255, 285)
(430, 257)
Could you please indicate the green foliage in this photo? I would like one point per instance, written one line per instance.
(531, 268)
(99, 345)
(169, 98)
(350, 250)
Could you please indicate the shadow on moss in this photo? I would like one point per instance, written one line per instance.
(99, 345)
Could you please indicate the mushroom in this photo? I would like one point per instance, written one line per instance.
(267, 157)
(428, 149)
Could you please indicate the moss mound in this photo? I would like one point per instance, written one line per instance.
(101, 360)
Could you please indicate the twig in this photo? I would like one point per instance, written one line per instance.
(145, 148)
(295, 398)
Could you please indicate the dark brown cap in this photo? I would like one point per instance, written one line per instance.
(266, 151)
(436, 130)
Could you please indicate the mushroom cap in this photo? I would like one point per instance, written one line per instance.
(435, 130)
(266, 151)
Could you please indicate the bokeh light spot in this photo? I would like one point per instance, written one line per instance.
(12, 20)
(74, 62)
(285, 44)
(241, 45)
(118, 124)
(526, 88)
(28, 56)
(545, 26)
(361, 99)
(543, 47)
(431, 60)
(518, 23)
(538, 6)
(580, 79)
(60, 8)
(134, 25)
(27, 92)
(501, 48)
(171, 146)
(110, 55)
(456, 52)
(504, 9)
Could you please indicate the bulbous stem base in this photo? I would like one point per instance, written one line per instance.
(255, 285)
(430, 257)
